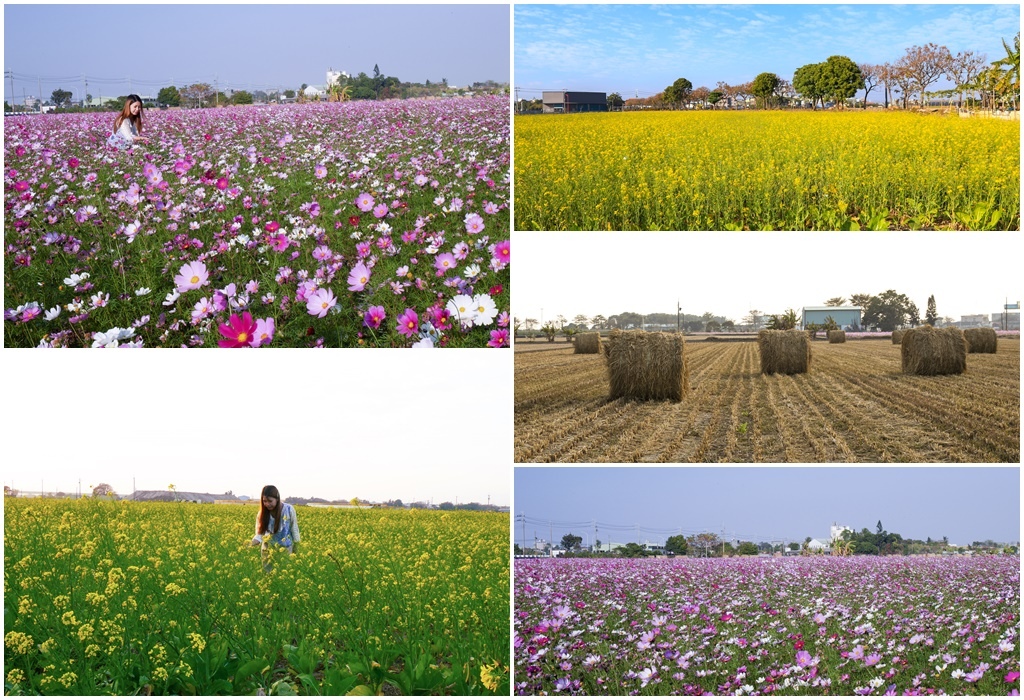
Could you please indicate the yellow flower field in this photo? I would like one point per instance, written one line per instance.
(167, 598)
(766, 170)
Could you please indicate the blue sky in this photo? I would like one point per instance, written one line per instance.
(248, 46)
(758, 503)
(630, 48)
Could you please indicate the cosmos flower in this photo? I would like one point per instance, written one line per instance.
(358, 277)
(322, 301)
(238, 332)
(191, 276)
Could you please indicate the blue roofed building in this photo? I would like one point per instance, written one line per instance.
(846, 317)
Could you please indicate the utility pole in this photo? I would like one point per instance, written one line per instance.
(679, 310)
(39, 86)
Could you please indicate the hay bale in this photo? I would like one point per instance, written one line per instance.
(981, 340)
(897, 337)
(930, 351)
(837, 336)
(643, 365)
(784, 352)
(588, 344)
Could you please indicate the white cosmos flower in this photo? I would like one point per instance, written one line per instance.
(462, 309)
(75, 279)
(142, 291)
(485, 310)
(471, 270)
(425, 342)
(171, 298)
(111, 338)
(52, 313)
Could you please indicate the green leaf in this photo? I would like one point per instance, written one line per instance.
(282, 688)
(361, 690)
(248, 669)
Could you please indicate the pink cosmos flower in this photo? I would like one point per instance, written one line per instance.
(374, 316)
(321, 253)
(271, 226)
(222, 183)
(21, 186)
(381, 210)
(445, 262)
(279, 242)
(872, 659)
(320, 171)
(364, 202)
(501, 252)
(474, 223)
(320, 302)
(803, 659)
(358, 278)
(238, 331)
(203, 308)
(499, 338)
(1012, 676)
(72, 162)
(192, 275)
(408, 322)
(264, 333)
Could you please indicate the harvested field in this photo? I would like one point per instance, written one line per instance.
(855, 405)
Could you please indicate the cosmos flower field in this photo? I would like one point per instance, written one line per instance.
(340, 225)
(748, 626)
(168, 599)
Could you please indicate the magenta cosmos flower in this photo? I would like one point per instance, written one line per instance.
(321, 301)
(320, 171)
(499, 338)
(192, 275)
(408, 322)
(238, 331)
(501, 251)
(374, 316)
(365, 202)
(264, 333)
(358, 278)
(381, 210)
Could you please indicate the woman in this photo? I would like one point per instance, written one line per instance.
(276, 525)
(128, 125)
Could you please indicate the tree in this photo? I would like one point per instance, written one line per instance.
(904, 80)
(860, 300)
(871, 75)
(169, 96)
(242, 98)
(676, 544)
(678, 92)
(840, 79)
(747, 548)
(925, 64)
(889, 311)
(598, 321)
(931, 316)
(102, 490)
(1009, 82)
(714, 97)
(885, 77)
(581, 321)
(550, 331)
(289, 93)
(962, 71)
(764, 89)
(615, 101)
(835, 301)
(754, 318)
(713, 327)
(807, 81)
(61, 97)
(571, 542)
(705, 543)
(700, 94)
(878, 528)
(784, 322)
(197, 94)
(728, 325)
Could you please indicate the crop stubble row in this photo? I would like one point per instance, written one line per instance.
(854, 406)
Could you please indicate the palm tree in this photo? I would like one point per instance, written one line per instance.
(1009, 83)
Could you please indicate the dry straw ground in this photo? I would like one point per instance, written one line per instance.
(855, 405)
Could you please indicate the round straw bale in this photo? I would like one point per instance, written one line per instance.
(981, 340)
(588, 343)
(930, 351)
(644, 365)
(897, 337)
(784, 352)
(837, 336)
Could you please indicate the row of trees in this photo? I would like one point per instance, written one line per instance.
(838, 79)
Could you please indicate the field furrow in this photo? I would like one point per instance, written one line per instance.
(855, 405)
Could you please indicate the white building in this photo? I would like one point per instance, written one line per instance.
(836, 531)
(335, 76)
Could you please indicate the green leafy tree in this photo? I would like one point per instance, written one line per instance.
(678, 92)
(615, 101)
(764, 88)
(705, 544)
(676, 544)
(169, 96)
(783, 322)
(632, 551)
(747, 548)
(840, 78)
(807, 81)
(714, 97)
(550, 331)
(61, 97)
(571, 542)
(931, 316)
(889, 311)
(1009, 81)
(241, 98)
(289, 93)
(835, 301)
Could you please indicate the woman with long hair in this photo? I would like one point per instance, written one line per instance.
(276, 525)
(128, 125)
